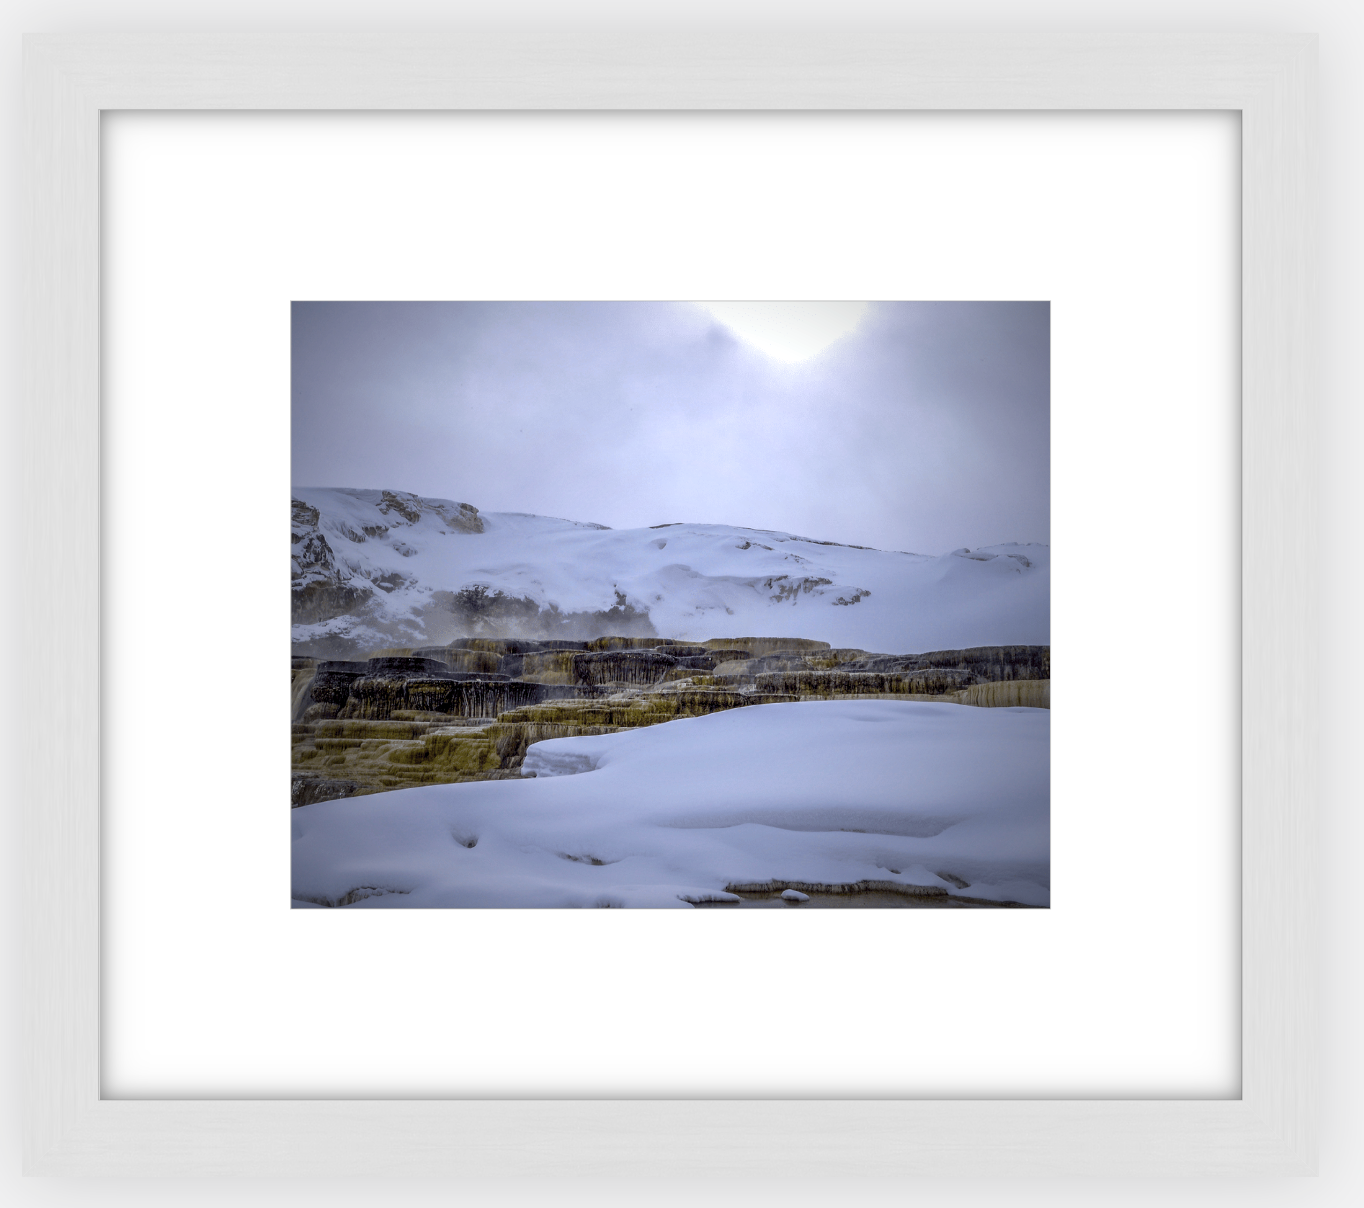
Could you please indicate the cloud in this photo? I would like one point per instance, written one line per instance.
(924, 426)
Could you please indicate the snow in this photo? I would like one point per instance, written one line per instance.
(697, 581)
(829, 792)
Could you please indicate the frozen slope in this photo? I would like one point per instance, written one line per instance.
(384, 556)
(830, 792)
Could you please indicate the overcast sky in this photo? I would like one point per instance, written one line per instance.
(925, 428)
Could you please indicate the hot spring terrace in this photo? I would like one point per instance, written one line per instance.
(468, 711)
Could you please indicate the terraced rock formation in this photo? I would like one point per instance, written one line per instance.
(470, 710)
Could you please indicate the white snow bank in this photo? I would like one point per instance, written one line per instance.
(828, 792)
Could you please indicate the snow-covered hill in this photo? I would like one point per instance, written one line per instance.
(387, 568)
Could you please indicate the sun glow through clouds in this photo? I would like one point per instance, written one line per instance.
(789, 331)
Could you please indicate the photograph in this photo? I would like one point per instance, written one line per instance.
(723, 605)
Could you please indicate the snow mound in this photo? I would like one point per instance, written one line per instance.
(819, 793)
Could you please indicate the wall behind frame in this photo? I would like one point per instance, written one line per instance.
(1342, 28)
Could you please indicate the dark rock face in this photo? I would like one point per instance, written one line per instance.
(309, 790)
(700, 702)
(506, 656)
(783, 587)
(320, 590)
(407, 506)
(394, 665)
(551, 663)
(933, 682)
(487, 677)
(994, 663)
(695, 662)
(729, 654)
(331, 685)
(509, 654)
(463, 658)
(570, 692)
(473, 660)
(628, 643)
(790, 660)
(935, 673)
(825, 660)
(761, 646)
(622, 667)
(431, 652)
(988, 664)
(502, 646)
(403, 508)
(378, 697)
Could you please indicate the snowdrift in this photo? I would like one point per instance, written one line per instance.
(830, 793)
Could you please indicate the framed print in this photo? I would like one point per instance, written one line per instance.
(156, 282)
(438, 646)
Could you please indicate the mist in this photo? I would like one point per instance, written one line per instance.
(924, 428)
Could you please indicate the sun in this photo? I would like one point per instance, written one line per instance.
(789, 331)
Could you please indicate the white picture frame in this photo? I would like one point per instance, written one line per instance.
(71, 1130)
